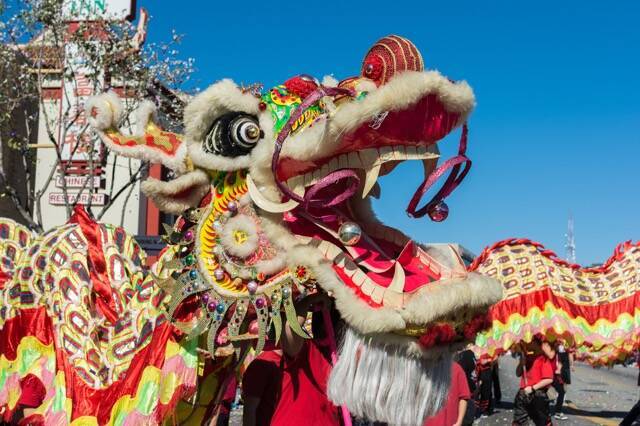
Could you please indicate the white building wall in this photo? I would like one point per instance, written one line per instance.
(55, 215)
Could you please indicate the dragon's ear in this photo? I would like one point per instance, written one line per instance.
(151, 143)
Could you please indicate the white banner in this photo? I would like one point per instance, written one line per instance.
(91, 10)
(57, 199)
(78, 86)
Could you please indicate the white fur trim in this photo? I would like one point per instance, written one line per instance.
(108, 108)
(324, 138)
(240, 223)
(163, 194)
(145, 112)
(442, 298)
(220, 98)
(329, 81)
(217, 162)
(271, 266)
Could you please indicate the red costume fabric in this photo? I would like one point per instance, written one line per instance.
(538, 368)
(459, 389)
(291, 390)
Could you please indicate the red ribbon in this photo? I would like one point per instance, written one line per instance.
(96, 262)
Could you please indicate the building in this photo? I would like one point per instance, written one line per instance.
(83, 171)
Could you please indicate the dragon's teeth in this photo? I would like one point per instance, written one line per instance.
(359, 278)
(354, 160)
(333, 164)
(386, 154)
(377, 294)
(343, 161)
(367, 286)
(370, 180)
(411, 151)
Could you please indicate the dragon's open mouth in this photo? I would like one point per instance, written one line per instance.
(380, 264)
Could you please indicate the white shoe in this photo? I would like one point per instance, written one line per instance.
(561, 416)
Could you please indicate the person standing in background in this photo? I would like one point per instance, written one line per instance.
(495, 379)
(485, 376)
(536, 375)
(467, 360)
(634, 413)
(561, 379)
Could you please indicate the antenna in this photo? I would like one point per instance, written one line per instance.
(570, 245)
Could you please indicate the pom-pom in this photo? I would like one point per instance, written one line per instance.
(103, 111)
(301, 86)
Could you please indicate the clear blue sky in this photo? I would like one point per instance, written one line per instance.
(557, 125)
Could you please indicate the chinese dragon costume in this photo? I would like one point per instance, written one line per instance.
(272, 190)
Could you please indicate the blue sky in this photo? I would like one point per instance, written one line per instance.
(557, 125)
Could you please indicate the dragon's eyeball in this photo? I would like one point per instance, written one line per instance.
(232, 135)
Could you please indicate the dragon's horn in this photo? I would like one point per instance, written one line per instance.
(151, 143)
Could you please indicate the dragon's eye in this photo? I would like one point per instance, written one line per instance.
(232, 135)
(245, 132)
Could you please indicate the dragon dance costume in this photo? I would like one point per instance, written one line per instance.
(273, 191)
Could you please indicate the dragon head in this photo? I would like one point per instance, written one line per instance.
(274, 188)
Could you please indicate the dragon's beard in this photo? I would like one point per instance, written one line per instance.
(405, 388)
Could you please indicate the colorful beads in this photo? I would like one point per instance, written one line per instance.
(219, 274)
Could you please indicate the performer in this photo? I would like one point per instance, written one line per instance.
(536, 373)
(467, 361)
(288, 385)
(560, 379)
(634, 413)
(495, 378)
(455, 407)
(485, 383)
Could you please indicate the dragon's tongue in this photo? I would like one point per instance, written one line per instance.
(371, 255)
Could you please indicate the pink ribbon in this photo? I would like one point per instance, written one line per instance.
(455, 178)
(309, 199)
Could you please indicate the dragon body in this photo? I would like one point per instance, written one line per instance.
(594, 310)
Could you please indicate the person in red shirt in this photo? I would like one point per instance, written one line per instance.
(288, 385)
(453, 411)
(536, 375)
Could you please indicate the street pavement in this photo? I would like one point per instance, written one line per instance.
(596, 396)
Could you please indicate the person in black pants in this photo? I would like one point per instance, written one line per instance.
(635, 410)
(467, 361)
(485, 376)
(495, 379)
(536, 375)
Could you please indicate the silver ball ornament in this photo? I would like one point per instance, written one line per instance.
(349, 233)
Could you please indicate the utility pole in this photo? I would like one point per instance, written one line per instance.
(570, 245)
